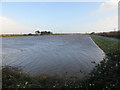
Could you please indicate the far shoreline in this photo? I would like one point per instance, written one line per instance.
(37, 35)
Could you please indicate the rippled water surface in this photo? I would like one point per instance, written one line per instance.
(51, 54)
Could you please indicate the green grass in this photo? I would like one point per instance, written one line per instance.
(107, 45)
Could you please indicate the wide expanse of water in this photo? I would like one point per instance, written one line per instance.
(71, 54)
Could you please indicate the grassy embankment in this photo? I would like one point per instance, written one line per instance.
(113, 34)
(107, 45)
(106, 75)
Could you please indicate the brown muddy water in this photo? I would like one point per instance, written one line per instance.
(71, 54)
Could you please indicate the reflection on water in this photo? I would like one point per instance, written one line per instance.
(51, 54)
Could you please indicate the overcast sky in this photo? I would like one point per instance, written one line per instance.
(59, 17)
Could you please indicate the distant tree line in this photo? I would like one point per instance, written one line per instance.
(43, 32)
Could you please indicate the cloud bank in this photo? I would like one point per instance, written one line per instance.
(112, 4)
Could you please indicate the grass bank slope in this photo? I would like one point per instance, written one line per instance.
(106, 44)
